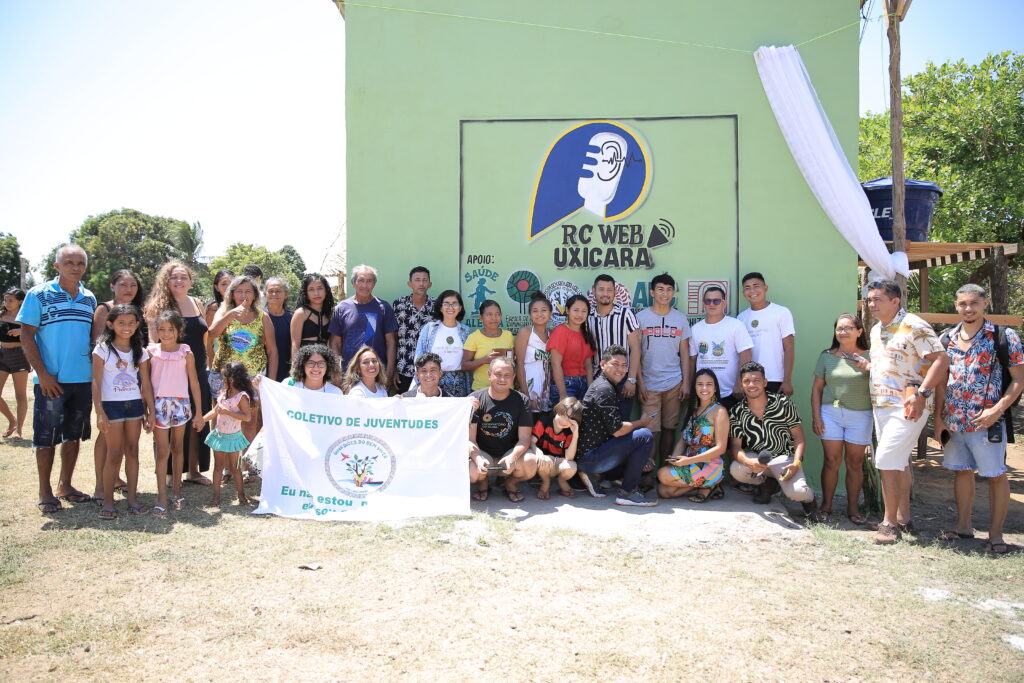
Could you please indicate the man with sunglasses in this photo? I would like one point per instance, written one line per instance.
(721, 344)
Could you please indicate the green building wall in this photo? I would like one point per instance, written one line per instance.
(426, 92)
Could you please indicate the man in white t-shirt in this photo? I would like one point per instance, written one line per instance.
(664, 379)
(721, 344)
(770, 327)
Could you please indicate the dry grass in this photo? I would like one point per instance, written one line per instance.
(218, 595)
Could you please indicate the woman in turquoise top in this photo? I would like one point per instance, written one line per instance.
(696, 463)
(841, 410)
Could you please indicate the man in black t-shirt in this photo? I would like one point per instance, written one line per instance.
(500, 430)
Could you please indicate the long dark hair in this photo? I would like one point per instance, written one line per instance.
(140, 297)
(584, 327)
(107, 337)
(862, 343)
(235, 375)
(303, 301)
(694, 400)
(176, 321)
(217, 296)
(18, 294)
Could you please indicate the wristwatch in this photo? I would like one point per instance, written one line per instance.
(631, 380)
(927, 393)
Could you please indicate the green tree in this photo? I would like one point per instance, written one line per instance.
(10, 262)
(273, 263)
(125, 238)
(963, 129)
(295, 262)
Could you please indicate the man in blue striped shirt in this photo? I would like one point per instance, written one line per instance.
(56, 324)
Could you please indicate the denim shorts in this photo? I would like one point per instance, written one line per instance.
(843, 424)
(973, 451)
(123, 411)
(575, 385)
(65, 418)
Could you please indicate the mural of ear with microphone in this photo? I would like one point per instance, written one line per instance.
(602, 170)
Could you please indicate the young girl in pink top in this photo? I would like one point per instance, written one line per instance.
(172, 368)
(226, 438)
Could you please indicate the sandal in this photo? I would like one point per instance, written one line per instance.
(177, 503)
(199, 481)
(568, 493)
(991, 547)
(10, 430)
(481, 494)
(953, 535)
(49, 507)
(544, 495)
(76, 497)
(160, 512)
(514, 496)
(701, 496)
(138, 509)
(857, 519)
(717, 492)
(744, 488)
(108, 514)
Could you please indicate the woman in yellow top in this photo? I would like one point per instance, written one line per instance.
(486, 344)
(246, 336)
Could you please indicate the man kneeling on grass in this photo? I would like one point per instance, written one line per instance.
(500, 429)
(606, 440)
(767, 442)
(558, 436)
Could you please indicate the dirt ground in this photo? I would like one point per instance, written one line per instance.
(545, 590)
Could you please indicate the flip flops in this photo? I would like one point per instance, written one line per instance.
(953, 535)
(514, 496)
(49, 507)
(138, 509)
(108, 515)
(991, 547)
(76, 497)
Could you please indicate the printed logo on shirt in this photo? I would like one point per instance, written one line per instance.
(718, 349)
(498, 425)
(241, 340)
(754, 323)
(667, 331)
(702, 348)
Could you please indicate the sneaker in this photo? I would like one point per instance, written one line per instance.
(887, 534)
(634, 498)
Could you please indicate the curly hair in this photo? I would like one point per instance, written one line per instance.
(302, 356)
(352, 376)
(160, 297)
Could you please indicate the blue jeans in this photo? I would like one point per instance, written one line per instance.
(575, 385)
(631, 449)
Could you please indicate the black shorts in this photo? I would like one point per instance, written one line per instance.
(65, 418)
(13, 360)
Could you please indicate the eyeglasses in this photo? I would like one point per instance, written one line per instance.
(450, 304)
(846, 329)
(713, 302)
(316, 364)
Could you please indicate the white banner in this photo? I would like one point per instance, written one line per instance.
(355, 459)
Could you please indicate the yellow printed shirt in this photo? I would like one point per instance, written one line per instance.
(898, 353)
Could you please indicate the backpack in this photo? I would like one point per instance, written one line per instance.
(1003, 357)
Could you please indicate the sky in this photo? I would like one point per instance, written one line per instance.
(231, 112)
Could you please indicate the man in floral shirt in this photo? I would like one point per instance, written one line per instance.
(973, 402)
(907, 364)
(413, 311)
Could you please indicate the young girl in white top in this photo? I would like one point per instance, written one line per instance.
(174, 377)
(362, 375)
(123, 399)
(226, 438)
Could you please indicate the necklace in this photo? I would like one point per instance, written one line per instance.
(960, 333)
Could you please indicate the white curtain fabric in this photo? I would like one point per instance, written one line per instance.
(817, 152)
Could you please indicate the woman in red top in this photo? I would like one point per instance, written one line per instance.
(572, 348)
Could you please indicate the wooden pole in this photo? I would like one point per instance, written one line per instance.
(922, 277)
(895, 11)
(999, 293)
